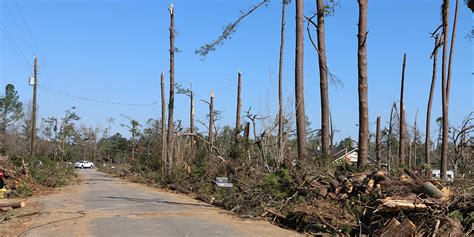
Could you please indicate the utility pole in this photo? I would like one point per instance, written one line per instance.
(33, 116)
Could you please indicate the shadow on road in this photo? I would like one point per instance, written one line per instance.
(157, 201)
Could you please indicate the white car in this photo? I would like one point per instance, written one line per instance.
(83, 164)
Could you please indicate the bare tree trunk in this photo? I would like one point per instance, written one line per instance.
(170, 134)
(239, 108)
(299, 82)
(280, 84)
(163, 123)
(415, 139)
(451, 51)
(428, 111)
(363, 88)
(211, 119)
(389, 140)
(444, 95)
(401, 147)
(191, 111)
(377, 143)
(323, 79)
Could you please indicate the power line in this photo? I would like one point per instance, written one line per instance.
(14, 45)
(29, 31)
(18, 26)
(96, 100)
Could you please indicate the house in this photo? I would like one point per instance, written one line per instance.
(351, 156)
(436, 174)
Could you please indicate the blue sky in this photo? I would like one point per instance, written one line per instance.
(115, 51)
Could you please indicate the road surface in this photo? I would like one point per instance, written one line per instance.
(101, 205)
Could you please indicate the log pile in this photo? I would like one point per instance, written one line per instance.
(378, 204)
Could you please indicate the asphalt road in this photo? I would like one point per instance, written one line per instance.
(102, 205)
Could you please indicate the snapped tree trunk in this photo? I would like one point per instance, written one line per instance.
(211, 119)
(415, 139)
(163, 123)
(389, 139)
(377, 143)
(239, 108)
(401, 147)
(170, 134)
(323, 79)
(444, 96)
(428, 112)
(362, 85)
(280, 84)
(299, 82)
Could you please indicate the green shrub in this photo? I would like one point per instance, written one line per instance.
(278, 184)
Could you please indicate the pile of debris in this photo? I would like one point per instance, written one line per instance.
(376, 204)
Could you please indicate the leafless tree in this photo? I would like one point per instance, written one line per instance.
(401, 147)
(170, 135)
(280, 82)
(323, 77)
(299, 82)
(428, 110)
(362, 84)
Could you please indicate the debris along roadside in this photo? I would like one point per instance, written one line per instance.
(19, 180)
(313, 200)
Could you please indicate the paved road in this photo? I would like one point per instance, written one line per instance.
(105, 206)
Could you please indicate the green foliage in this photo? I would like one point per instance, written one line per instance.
(278, 184)
(11, 109)
(51, 174)
(22, 190)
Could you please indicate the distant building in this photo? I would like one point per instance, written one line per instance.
(351, 156)
(436, 174)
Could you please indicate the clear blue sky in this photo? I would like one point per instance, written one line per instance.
(116, 50)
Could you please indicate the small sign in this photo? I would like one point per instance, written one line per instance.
(223, 182)
(31, 81)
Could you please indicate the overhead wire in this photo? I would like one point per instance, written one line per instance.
(96, 100)
(18, 27)
(14, 45)
(29, 32)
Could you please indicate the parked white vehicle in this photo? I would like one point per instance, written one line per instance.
(83, 164)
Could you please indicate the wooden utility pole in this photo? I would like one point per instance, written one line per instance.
(428, 111)
(323, 78)
(362, 85)
(239, 108)
(377, 143)
(401, 147)
(163, 123)
(211, 119)
(170, 134)
(280, 83)
(299, 82)
(33, 115)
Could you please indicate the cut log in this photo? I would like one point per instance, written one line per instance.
(179, 189)
(411, 174)
(432, 191)
(390, 204)
(395, 228)
(13, 204)
(5, 209)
